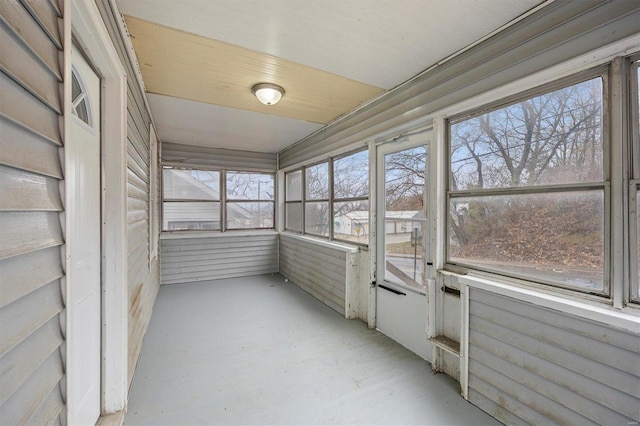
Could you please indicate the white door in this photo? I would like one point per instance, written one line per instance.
(83, 245)
(403, 241)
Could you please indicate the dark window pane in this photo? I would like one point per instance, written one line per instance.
(555, 138)
(82, 112)
(249, 186)
(351, 176)
(191, 184)
(555, 237)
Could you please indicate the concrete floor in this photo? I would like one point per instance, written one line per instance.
(259, 350)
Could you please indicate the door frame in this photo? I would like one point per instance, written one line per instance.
(84, 25)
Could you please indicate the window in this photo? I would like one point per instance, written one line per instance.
(192, 200)
(250, 200)
(528, 189)
(335, 200)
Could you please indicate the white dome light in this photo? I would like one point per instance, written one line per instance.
(267, 93)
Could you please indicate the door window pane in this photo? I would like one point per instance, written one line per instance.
(404, 255)
(404, 219)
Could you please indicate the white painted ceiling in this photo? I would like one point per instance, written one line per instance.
(381, 43)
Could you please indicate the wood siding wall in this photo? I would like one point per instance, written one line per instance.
(186, 260)
(560, 31)
(534, 365)
(32, 355)
(142, 274)
(198, 156)
(320, 271)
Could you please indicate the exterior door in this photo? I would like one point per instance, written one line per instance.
(402, 241)
(83, 245)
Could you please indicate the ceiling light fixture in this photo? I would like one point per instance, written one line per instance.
(267, 93)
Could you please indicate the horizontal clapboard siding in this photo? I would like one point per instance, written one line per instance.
(31, 236)
(142, 274)
(319, 270)
(529, 364)
(198, 156)
(185, 260)
(558, 32)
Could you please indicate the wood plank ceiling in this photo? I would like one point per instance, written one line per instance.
(200, 58)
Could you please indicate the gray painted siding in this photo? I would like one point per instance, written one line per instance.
(142, 275)
(560, 31)
(198, 156)
(31, 237)
(318, 270)
(529, 364)
(185, 260)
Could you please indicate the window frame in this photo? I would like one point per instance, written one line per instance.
(331, 194)
(299, 202)
(222, 198)
(601, 71)
(632, 67)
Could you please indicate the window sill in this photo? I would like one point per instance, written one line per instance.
(346, 247)
(177, 235)
(627, 318)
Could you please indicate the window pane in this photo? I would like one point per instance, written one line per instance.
(555, 237)
(293, 216)
(293, 182)
(555, 138)
(404, 262)
(351, 221)
(317, 182)
(191, 184)
(249, 215)
(405, 173)
(316, 219)
(249, 186)
(351, 176)
(190, 215)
